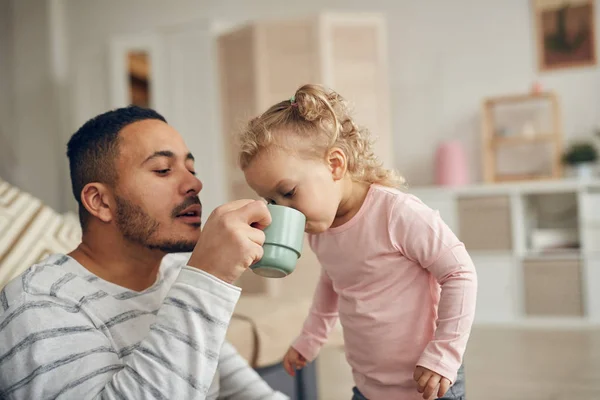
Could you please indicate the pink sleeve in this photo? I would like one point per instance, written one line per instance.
(322, 317)
(422, 236)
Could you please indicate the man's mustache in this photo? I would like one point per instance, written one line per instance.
(190, 201)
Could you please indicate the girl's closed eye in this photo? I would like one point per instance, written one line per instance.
(286, 195)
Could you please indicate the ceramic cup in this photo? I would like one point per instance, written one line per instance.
(283, 242)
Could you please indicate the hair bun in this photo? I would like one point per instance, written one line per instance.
(316, 103)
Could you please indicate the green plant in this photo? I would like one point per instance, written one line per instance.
(579, 153)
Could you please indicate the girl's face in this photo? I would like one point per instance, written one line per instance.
(311, 186)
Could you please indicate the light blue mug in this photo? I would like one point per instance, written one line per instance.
(283, 242)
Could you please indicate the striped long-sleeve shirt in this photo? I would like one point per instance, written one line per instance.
(65, 333)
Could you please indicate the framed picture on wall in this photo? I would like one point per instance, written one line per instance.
(136, 71)
(565, 33)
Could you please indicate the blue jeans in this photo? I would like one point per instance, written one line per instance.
(456, 391)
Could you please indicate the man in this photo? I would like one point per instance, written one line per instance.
(116, 319)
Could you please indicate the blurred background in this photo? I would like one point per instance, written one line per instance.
(488, 108)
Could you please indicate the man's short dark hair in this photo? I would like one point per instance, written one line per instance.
(93, 149)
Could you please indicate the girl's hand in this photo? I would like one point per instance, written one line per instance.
(428, 381)
(293, 361)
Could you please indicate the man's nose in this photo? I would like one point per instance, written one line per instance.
(194, 185)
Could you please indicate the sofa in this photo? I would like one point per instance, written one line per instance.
(267, 318)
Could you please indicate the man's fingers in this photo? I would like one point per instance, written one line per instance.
(257, 253)
(256, 214)
(256, 235)
(444, 386)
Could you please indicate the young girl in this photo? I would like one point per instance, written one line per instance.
(402, 284)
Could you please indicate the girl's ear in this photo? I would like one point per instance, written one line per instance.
(336, 159)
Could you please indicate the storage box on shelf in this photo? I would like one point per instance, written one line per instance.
(476, 215)
(536, 247)
(553, 287)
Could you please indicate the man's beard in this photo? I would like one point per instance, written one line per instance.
(138, 227)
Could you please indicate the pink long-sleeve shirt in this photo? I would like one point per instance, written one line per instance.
(404, 288)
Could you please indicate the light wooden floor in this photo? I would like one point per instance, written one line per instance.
(505, 364)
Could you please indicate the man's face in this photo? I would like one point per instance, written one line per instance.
(157, 191)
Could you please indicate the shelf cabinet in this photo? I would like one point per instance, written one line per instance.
(535, 245)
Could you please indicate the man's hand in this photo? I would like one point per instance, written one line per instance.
(428, 381)
(231, 239)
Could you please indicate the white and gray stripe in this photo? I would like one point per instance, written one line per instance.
(3, 300)
(60, 283)
(67, 334)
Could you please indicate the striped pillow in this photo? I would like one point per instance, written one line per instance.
(30, 231)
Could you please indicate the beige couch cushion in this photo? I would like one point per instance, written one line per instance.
(30, 231)
(263, 328)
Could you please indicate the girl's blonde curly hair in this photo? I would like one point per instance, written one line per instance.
(316, 120)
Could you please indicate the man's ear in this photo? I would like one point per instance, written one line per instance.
(98, 200)
(337, 161)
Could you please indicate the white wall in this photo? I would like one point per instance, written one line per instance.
(448, 58)
(35, 159)
(35, 147)
(443, 60)
(193, 104)
(193, 107)
(7, 159)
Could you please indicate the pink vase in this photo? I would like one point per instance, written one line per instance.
(451, 167)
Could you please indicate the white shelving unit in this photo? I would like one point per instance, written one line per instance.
(520, 284)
